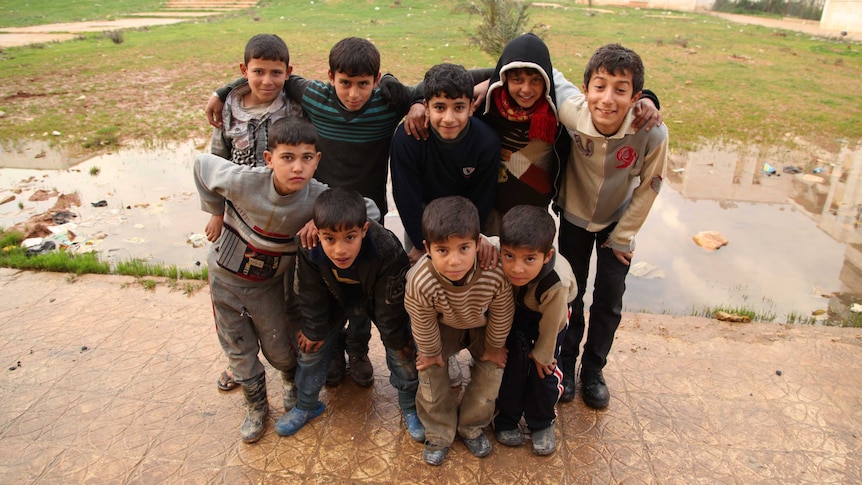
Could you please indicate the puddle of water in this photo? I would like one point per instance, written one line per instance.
(793, 238)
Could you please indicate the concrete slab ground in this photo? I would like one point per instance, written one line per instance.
(104, 381)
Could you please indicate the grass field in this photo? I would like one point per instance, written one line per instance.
(715, 79)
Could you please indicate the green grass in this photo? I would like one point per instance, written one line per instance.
(754, 315)
(12, 255)
(37, 12)
(716, 79)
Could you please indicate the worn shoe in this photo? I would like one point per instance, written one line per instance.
(295, 419)
(568, 369)
(434, 455)
(595, 391)
(479, 446)
(337, 367)
(225, 381)
(257, 409)
(361, 370)
(509, 437)
(455, 376)
(544, 441)
(414, 426)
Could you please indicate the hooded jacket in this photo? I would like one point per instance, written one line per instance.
(529, 167)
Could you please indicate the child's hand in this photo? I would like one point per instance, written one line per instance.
(542, 369)
(624, 257)
(213, 229)
(307, 345)
(646, 115)
(497, 356)
(308, 235)
(423, 361)
(488, 254)
(213, 109)
(416, 122)
(415, 255)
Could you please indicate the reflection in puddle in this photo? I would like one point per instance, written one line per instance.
(793, 237)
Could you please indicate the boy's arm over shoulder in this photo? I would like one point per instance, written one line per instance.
(652, 176)
(563, 88)
(295, 86)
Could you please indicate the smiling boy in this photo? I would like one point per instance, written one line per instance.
(613, 176)
(357, 269)
(460, 157)
(454, 304)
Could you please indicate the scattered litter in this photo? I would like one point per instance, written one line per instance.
(101, 203)
(44, 247)
(678, 170)
(56, 133)
(15, 366)
(85, 348)
(710, 240)
(818, 170)
(62, 217)
(792, 169)
(778, 373)
(645, 270)
(768, 169)
(197, 240)
(818, 312)
(731, 317)
(856, 308)
(9, 198)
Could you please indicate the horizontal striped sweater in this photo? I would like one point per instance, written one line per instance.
(432, 300)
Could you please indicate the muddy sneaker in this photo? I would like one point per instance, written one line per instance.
(361, 370)
(296, 418)
(433, 454)
(479, 446)
(595, 391)
(337, 367)
(544, 441)
(414, 426)
(509, 437)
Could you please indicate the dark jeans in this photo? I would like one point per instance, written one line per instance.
(576, 245)
(355, 336)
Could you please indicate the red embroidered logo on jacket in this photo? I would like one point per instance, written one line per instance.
(627, 155)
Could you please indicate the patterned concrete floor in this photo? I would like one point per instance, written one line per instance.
(107, 382)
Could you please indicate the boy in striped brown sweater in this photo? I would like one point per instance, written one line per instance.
(455, 304)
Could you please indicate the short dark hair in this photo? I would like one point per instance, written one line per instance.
(450, 216)
(268, 47)
(354, 57)
(528, 226)
(616, 60)
(339, 208)
(449, 80)
(292, 130)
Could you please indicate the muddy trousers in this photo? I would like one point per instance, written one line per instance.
(576, 245)
(522, 391)
(253, 319)
(311, 374)
(435, 400)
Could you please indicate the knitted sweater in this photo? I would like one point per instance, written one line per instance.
(432, 300)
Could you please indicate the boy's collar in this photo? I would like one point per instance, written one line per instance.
(457, 138)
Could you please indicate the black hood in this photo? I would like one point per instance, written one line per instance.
(524, 51)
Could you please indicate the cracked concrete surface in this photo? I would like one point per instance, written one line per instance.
(116, 384)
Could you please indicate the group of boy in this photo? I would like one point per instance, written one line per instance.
(496, 173)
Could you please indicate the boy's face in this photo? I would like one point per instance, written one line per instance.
(453, 258)
(526, 86)
(342, 246)
(448, 116)
(265, 78)
(609, 98)
(292, 166)
(522, 265)
(353, 91)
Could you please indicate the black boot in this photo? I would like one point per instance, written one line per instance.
(258, 407)
(567, 365)
(594, 389)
